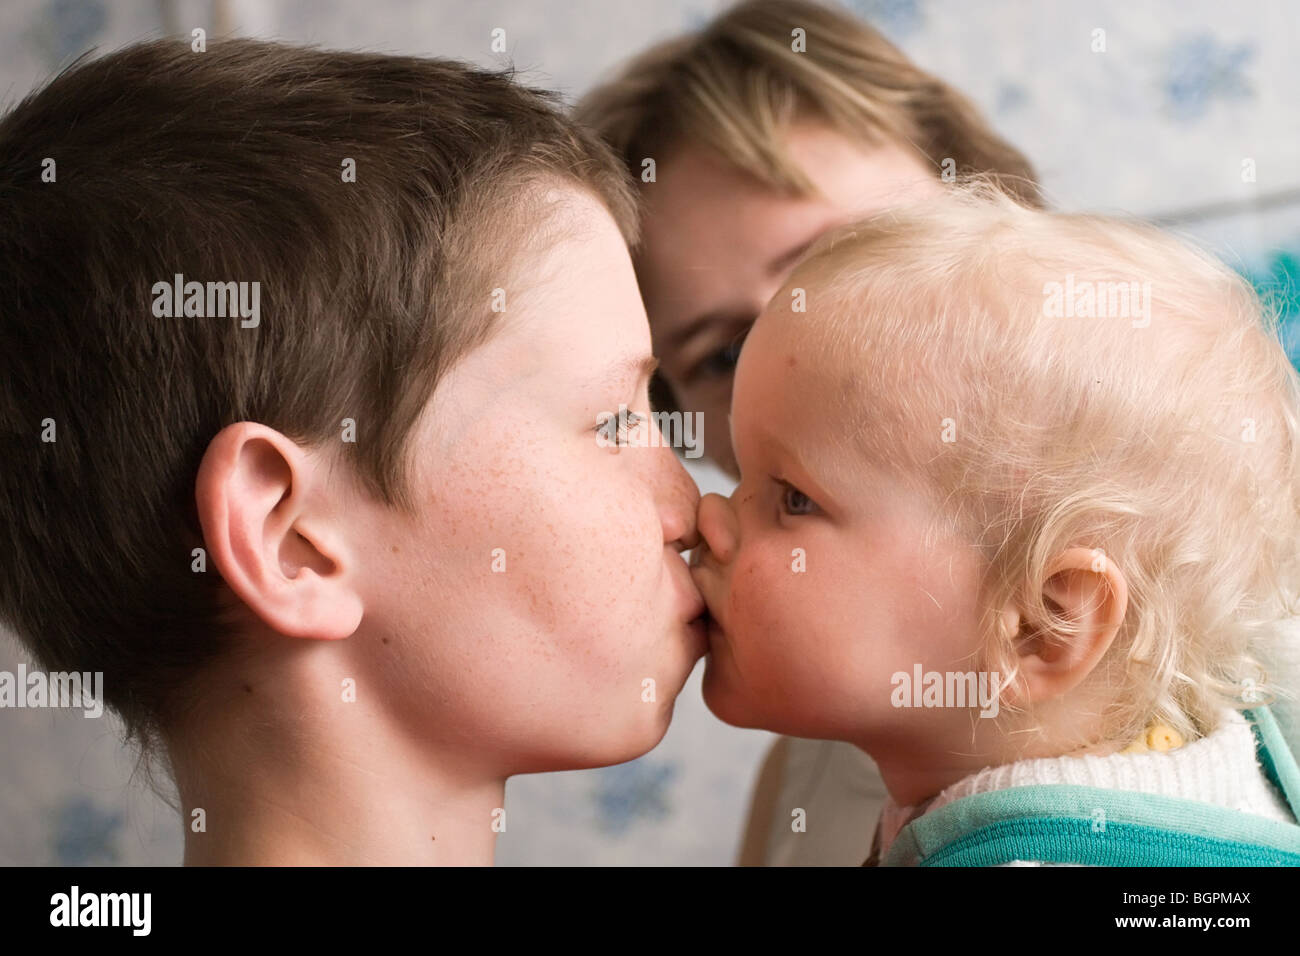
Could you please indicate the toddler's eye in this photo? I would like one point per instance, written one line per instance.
(795, 502)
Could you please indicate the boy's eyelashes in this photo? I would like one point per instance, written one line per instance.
(633, 419)
(615, 426)
(617, 419)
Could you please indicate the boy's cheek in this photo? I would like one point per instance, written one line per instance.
(572, 563)
(597, 560)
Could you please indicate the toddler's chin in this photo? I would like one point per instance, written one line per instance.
(733, 704)
(721, 699)
(779, 712)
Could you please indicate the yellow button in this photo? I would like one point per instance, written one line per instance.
(1163, 737)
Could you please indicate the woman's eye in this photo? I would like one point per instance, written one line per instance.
(795, 502)
(723, 361)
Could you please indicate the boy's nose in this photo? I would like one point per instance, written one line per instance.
(677, 499)
(717, 526)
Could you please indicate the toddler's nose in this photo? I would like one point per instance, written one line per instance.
(717, 526)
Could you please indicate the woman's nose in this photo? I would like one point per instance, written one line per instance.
(717, 526)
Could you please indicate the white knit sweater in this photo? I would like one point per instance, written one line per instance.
(1219, 769)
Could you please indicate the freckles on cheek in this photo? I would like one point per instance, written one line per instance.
(620, 545)
(497, 529)
(599, 567)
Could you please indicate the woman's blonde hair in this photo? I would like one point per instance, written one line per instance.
(735, 87)
(1059, 381)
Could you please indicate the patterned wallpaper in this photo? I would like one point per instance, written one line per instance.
(1158, 124)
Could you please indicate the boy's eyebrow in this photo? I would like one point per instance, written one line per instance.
(642, 367)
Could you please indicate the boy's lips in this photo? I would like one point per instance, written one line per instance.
(691, 600)
(699, 574)
(696, 613)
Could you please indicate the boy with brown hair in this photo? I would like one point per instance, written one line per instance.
(298, 446)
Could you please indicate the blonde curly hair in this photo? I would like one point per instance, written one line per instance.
(1169, 444)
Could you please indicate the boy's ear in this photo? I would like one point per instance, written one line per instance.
(270, 531)
(1087, 589)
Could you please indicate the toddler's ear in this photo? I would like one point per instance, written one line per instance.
(1087, 591)
(272, 534)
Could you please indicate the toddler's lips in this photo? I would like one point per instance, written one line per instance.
(700, 579)
(700, 617)
(695, 613)
(693, 600)
(705, 578)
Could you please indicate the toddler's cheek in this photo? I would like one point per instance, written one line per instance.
(749, 585)
(768, 608)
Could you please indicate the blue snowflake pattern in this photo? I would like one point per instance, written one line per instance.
(894, 18)
(1011, 96)
(632, 791)
(84, 834)
(1201, 70)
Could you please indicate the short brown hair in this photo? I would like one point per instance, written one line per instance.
(228, 165)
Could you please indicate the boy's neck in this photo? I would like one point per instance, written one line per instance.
(248, 825)
(284, 779)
